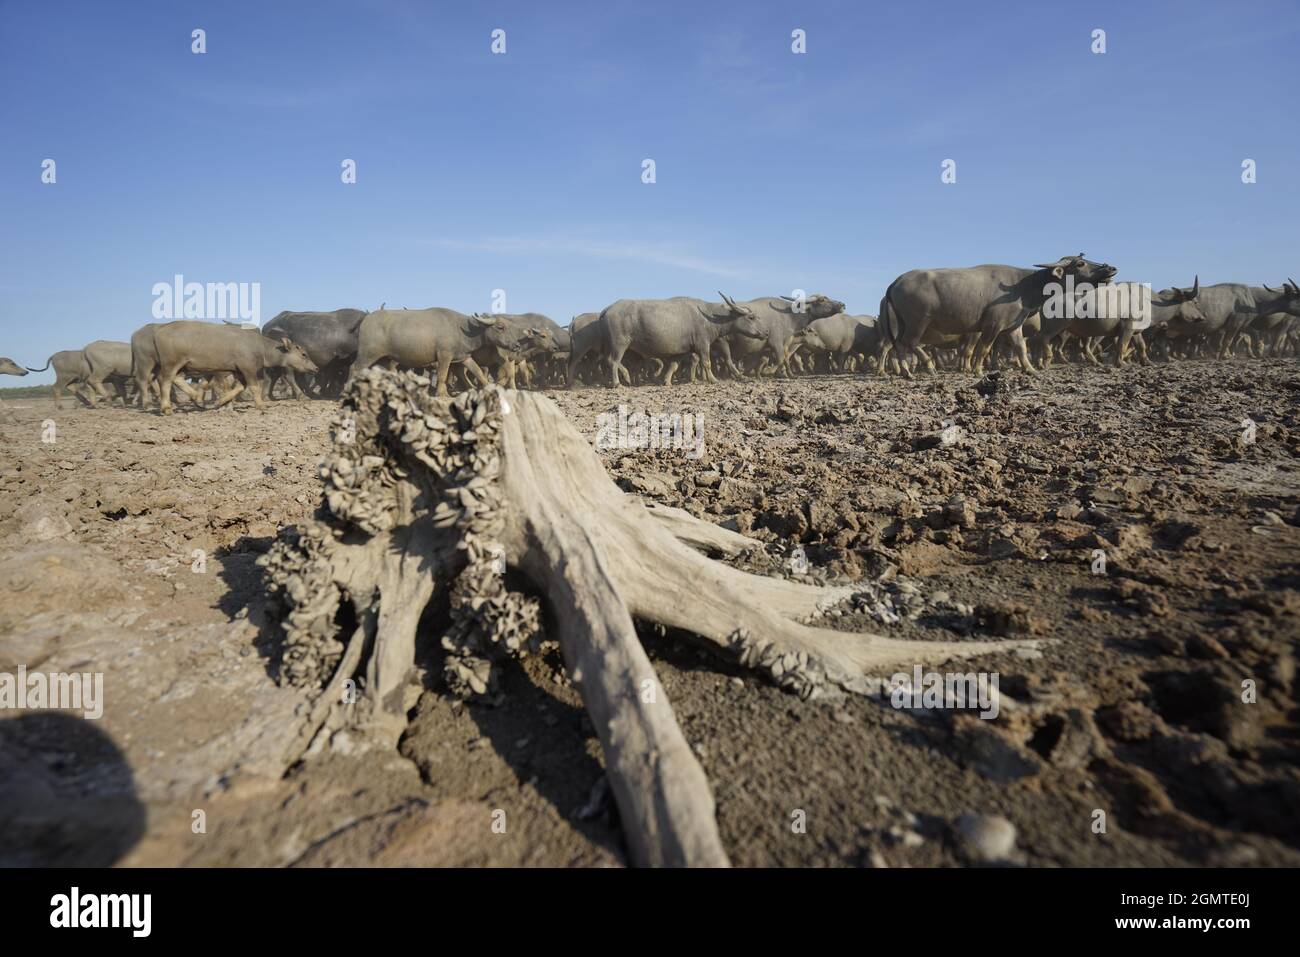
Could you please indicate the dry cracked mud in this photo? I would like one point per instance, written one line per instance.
(970, 508)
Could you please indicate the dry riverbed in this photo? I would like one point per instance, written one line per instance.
(128, 546)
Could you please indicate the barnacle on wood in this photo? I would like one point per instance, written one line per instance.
(299, 573)
(390, 433)
(795, 671)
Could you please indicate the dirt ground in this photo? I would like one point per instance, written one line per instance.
(128, 546)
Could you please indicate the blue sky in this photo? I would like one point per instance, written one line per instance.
(522, 171)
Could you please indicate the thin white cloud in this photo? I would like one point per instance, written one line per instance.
(660, 254)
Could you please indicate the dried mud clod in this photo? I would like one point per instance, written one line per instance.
(426, 496)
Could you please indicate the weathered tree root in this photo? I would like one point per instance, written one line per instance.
(424, 493)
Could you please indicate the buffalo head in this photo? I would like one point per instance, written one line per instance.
(746, 320)
(1289, 289)
(537, 341)
(1189, 310)
(1083, 270)
(811, 337)
(292, 356)
(1287, 299)
(817, 306)
(513, 338)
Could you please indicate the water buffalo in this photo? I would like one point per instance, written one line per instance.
(551, 365)
(1121, 309)
(70, 369)
(586, 335)
(328, 338)
(438, 337)
(976, 304)
(1271, 333)
(107, 361)
(842, 336)
(779, 318)
(542, 342)
(672, 329)
(9, 367)
(144, 368)
(1231, 308)
(205, 347)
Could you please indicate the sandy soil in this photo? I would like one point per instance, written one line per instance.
(128, 546)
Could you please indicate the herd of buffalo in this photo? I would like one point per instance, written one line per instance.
(967, 318)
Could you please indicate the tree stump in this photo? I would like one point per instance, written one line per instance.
(425, 494)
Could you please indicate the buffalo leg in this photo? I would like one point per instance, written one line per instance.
(235, 392)
(472, 368)
(1022, 351)
(444, 366)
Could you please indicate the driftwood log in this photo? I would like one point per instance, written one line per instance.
(424, 495)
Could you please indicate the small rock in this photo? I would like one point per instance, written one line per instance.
(960, 512)
(986, 838)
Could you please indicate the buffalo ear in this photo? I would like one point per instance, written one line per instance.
(1058, 272)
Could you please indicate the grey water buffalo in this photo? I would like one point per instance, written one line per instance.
(208, 348)
(673, 330)
(436, 337)
(70, 369)
(145, 367)
(9, 367)
(542, 337)
(586, 335)
(976, 305)
(842, 336)
(328, 338)
(107, 361)
(1271, 332)
(1121, 309)
(779, 318)
(551, 364)
(1232, 308)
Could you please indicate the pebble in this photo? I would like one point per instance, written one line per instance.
(988, 838)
